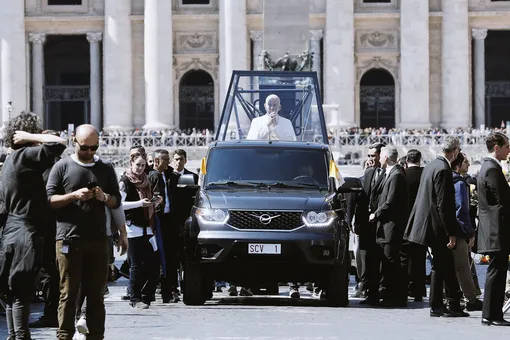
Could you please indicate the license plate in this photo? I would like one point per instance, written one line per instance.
(264, 248)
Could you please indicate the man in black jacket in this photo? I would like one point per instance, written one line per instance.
(414, 255)
(391, 219)
(164, 181)
(433, 223)
(493, 229)
(368, 248)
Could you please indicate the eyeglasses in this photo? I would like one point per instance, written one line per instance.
(87, 147)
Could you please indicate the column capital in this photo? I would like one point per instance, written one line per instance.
(316, 34)
(37, 38)
(94, 37)
(256, 35)
(479, 33)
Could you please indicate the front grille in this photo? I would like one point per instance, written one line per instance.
(279, 220)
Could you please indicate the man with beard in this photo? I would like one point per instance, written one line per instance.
(78, 189)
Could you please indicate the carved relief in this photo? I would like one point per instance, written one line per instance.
(390, 64)
(377, 40)
(197, 42)
(206, 63)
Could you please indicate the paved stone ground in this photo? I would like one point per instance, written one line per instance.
(275, 317)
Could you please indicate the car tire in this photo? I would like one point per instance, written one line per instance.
(193, 288)
(337, 294)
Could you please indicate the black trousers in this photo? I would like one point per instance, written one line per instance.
(172, 245)
(370, 256)
(413, 263)
(443, 275)
(143, 271)
(495, 283)
(390, 271)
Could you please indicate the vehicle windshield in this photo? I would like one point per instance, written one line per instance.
(273, 105)
(262, 166)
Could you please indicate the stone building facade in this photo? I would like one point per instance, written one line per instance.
(121, 64)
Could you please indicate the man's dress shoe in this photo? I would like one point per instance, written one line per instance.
(495, 322)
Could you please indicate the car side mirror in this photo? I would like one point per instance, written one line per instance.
(351, 185)
(187, 180)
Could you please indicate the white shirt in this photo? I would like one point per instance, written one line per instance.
(167, 199)
(259, 129)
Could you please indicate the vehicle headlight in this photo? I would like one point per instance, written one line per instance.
(211, 216)
(319, 219)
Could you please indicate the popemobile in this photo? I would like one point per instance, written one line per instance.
(270, 206)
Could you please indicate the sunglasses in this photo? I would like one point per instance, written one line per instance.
(87, 147)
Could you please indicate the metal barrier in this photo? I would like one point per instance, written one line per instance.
(348, 148)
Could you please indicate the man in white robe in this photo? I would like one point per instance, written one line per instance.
(271, 126)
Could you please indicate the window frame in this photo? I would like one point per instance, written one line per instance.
(83, 8)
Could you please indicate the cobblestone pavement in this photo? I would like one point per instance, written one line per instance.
(275, 317)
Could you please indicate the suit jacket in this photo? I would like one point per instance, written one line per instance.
(433, 218)
(184, 199)
(391, 214)
(494, 208)
(284, 130)
(158, 184)
(367, 202)
(413, 176)
(352, 199)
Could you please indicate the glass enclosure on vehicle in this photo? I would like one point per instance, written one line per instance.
(299, 118)
(267, 165)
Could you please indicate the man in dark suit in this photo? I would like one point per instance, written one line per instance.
(391, 218)
(493, 229)
(414, 255)
(368, 248)
(164, 182)
(433, 223)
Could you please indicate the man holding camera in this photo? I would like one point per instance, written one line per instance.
(78, 189)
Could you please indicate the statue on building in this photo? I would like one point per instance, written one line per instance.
(288, 62)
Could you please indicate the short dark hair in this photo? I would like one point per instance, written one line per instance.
(402, 161)
(457, 162)
(134, 156)
(157, 153)
(25, 121)
(377, 146)
(180, 152)
(413, 156)
(495, 138)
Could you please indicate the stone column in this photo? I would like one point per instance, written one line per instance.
(414, 64)
(13, 67)
(233, 41)
(339, 80)
(479, 35)
(315, 48)
(455, 64)
(257, 38)
(158, 65)
(38, 40)
(95, 79)
(117, 75)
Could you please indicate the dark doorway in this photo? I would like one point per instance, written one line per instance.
(377, 99)
(196, 101)
(67, 81)
(497, 78)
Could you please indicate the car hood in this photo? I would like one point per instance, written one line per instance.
(266, 199)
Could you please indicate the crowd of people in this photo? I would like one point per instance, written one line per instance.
(406, 209)
(62, 216)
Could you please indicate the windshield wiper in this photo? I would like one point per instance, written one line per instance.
(230, 183)
(310, 185)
